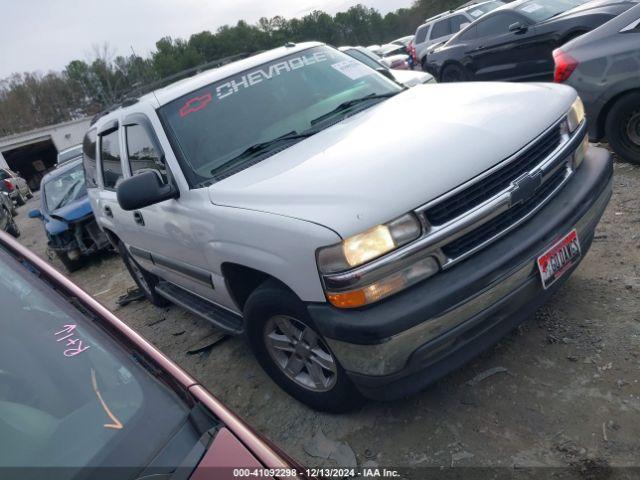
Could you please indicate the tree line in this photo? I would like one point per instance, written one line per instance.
(32, 100)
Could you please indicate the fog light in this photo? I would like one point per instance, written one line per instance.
(385, 287)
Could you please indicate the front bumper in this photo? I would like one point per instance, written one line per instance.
(400, 345)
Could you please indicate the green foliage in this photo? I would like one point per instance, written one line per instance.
(31, 100)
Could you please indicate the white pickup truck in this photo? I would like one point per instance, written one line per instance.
(366, 238)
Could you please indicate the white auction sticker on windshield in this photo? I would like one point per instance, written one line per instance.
(532, 7)
(475, 13)
(352, 69)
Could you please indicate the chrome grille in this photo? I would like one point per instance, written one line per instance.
(479, 192)
(489, 230)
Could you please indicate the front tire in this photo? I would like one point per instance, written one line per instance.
(622, 127)
(287, 346)
(146, 281)
(454, 73)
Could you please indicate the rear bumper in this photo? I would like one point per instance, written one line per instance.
(401, 345)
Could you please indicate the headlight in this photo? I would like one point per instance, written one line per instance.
(386, 286)
(575, 115)
(364, 247)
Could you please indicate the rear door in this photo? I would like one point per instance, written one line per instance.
(501, 54)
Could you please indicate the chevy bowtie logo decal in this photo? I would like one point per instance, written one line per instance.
(195, 104)
(525, 187)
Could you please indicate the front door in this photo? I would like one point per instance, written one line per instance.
(162, 231)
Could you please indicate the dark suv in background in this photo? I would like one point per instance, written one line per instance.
(515, 41)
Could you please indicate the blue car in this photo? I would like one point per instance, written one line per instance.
(71, 228)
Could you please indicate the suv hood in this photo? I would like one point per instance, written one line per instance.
(396, 155)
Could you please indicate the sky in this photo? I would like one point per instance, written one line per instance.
(44, 35)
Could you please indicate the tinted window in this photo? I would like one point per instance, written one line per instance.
(496, 25)
(364, 58)
(72, 396)
(440, 29)
(468, 34)
(4, 174)
(89, 159)
(110, 157)
(540, 10)
(421, 34)
(214, 127)
(457, 21)
(478, 10)
(142, 153)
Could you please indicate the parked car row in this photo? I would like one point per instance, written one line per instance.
(590, 45)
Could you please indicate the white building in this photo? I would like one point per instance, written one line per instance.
(35, 152)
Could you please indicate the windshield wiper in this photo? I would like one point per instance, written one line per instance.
(344, 106)
(261, 147)
(67, 195)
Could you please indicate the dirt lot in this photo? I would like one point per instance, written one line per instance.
(567, 393)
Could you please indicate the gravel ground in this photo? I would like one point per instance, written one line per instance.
(566, 392)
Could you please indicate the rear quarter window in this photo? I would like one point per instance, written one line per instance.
(421, 34)
(89, 159)
(441, 29)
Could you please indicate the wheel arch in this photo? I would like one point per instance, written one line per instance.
(114, 240)
(241, 281)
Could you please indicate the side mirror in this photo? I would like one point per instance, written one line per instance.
(517, 27)
(35, 213)
(144, 189)
(464, 25)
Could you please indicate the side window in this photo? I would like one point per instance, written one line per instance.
(457, 21)
(421, 34)
(469, 34)
(110, 159)
(4, 174)
(142, 153)
(440, 29)
(89, 159)
(495, 25)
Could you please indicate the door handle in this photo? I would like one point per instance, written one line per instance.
(138, 218)
(108, 212)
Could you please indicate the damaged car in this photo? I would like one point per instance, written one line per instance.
(69, 223)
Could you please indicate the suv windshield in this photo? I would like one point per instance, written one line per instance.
(71, 396)
(479, 10)
(541, 10)
(214, 125)
(65, 188)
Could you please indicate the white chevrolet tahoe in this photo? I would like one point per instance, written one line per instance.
(364, 248)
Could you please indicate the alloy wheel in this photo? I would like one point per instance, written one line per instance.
(300, 353)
